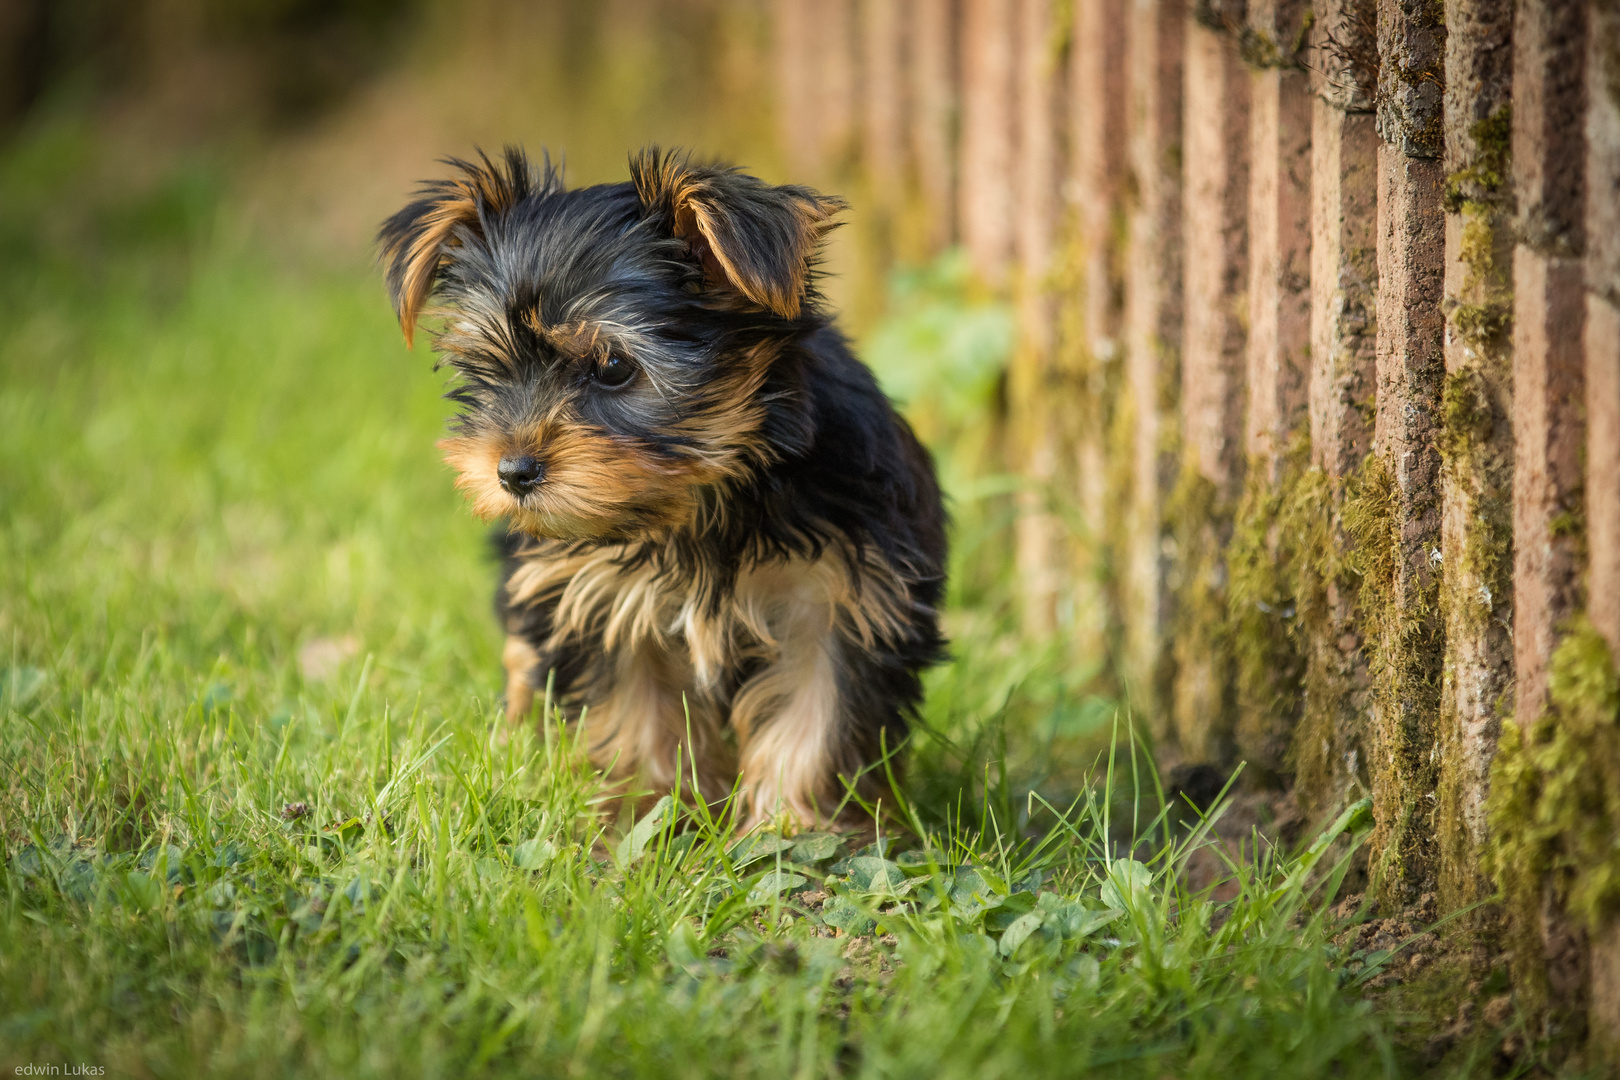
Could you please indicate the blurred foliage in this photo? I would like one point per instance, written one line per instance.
(289, 58)
(943, 348)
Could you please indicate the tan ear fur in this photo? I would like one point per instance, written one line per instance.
(753, 238)
(416, 242)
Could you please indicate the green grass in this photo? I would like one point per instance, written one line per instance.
(207, 465)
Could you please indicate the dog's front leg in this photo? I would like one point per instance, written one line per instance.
(645, 727)
(788, 720)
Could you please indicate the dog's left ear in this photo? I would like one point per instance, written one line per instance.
(752, 238)
(419, 241)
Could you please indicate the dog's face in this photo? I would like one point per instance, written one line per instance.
(614, 343)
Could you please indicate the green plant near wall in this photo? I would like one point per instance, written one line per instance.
(941, 353)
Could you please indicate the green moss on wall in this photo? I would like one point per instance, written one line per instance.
(1555, 802)
(1280, 560)
(1476, 445)
(1403, 645)
(1479, 468)
(1485, 178)
(1203, 702)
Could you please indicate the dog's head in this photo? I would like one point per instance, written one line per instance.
(615, 344)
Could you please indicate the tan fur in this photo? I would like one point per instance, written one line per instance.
(519, 659)
(651, 724)
(793, 615)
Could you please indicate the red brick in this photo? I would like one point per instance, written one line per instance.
(1344, 54)
(1217, 253)
(1330, 758)
(933, 70)
(1406, 669)
(882, 98)
(1216, 199)
(987, 149)
(1344, 281)
(1152, 327)
(1603, 321)
(1097, 160)
(1044, 561)
(1549, 313)
(1280, 258)
(815, 61)
(1411, 50)
(1477, 482)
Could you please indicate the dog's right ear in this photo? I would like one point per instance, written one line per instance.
(752, 239)
(419, 241)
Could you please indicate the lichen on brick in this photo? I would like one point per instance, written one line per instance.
(1411, 78)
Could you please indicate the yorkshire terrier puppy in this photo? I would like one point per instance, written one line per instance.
(721, 541)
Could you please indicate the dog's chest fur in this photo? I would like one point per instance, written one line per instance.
(607, 603)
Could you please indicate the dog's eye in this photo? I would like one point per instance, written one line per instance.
(612, 371)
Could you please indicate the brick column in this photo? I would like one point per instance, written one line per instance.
(1269, 663)
(1216, 200)
(1330, 755)
(1212, 396)
(1155, 32)
(1549, 388)
(1603, 321)
(1038, 402)
(1603, 420)
(1089, 321)
(1548, 316)
(987, 150)
(1279, 235)
(1063, 241)
(1097, 160)
(1407, 634)
(1477, 436)
(883, 97)
(930, 30)
(815, 50)
(796, 73)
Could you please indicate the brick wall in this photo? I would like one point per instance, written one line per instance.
(1320, 332)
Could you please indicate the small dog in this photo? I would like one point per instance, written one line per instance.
(714, 518)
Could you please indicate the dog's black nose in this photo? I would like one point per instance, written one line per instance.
(520, 473)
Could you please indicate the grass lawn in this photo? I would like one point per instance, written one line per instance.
(259, 815)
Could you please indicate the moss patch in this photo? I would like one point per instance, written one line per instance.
(1404, 645)
(1203, 703)
(1480, 469)
(1279, 562)
(1484, 179)
(1555, 802)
